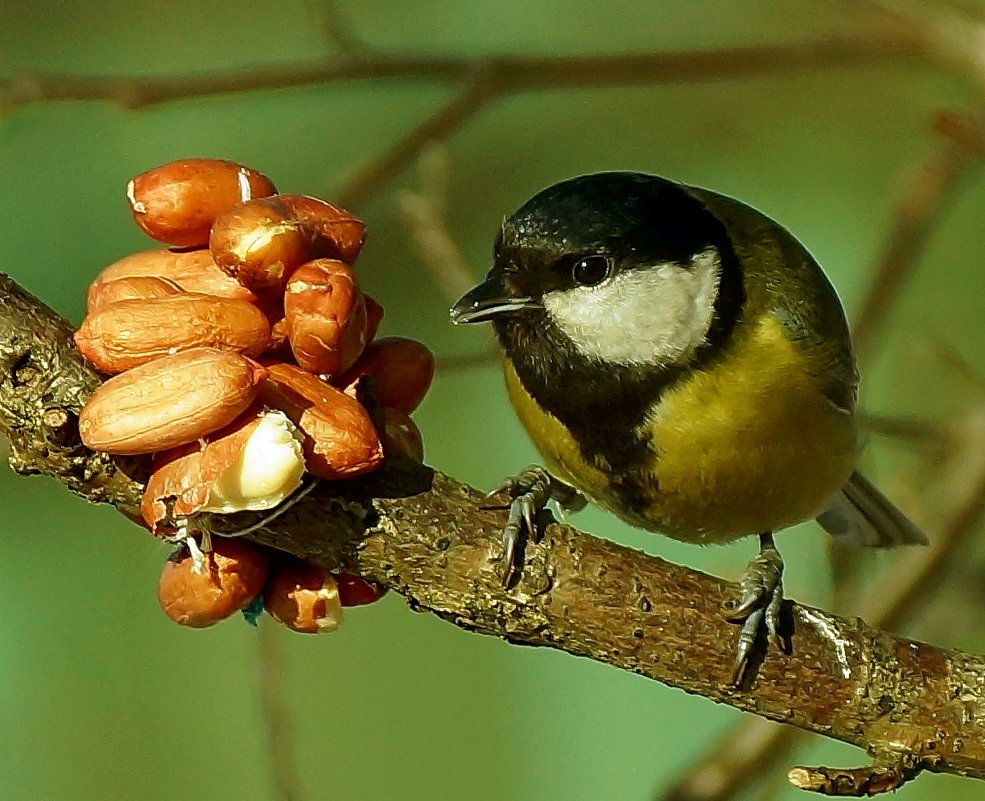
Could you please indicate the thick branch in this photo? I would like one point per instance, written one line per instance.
(426, 536)
(44, 382)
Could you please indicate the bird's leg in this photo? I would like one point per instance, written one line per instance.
(759, 606)
(568, 499)
(529, 490)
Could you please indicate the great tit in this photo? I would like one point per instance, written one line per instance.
(681, 360)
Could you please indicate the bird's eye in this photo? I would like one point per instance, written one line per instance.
(590, 270)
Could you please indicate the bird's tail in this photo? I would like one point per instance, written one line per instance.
(859, 514)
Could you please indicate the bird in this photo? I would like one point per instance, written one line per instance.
(680, 359)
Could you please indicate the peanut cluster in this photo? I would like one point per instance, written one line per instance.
(243, 357)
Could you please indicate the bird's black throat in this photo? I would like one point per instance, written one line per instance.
(602, 408)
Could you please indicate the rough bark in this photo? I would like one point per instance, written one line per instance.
(911, 705)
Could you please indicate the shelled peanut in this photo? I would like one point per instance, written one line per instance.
(241, 358)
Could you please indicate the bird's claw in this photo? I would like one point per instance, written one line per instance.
(531, 479)
(529, 490)
(759, 605)
(521, 523)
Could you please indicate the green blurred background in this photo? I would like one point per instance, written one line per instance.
(101, 697)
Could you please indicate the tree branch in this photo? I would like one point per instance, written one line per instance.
(512, 71)
(427, 536)
(364, 182)
(925, 194)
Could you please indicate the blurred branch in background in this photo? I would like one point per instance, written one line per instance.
(364, 182)
(424, 214)
(512, 72)
(923, 434)
(275, 713)
(920, 205)
(338, 30)
(481, 79)
(945, 35)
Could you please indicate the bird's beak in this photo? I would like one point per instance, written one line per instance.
(488, 299)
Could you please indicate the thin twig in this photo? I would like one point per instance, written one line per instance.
(368, 179)
(950, 37)
(964, 128)
(854, 782)
(906, 429)
(422, 213)
(921, 202)
(338, 29)
(513, 71)
(956, 366)
(275, 714)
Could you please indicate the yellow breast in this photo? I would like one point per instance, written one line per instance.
(749, 444)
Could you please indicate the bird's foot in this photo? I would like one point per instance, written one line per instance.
(759, 607)
(529, 491)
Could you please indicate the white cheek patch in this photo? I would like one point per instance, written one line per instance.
(655, 315)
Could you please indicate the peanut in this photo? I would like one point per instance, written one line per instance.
(303, 597)
(178, 202)
(279, 349)
(169, 401)
(136, 287)
(357, 591)
(401, 370)
(235, 575)
(401, 434)
(253, 463)
(133, 332)
(260, 243)
(339, 438)
(326, 316)
(339, 235)
(175, 481)
(374, 316)
(191, 270)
